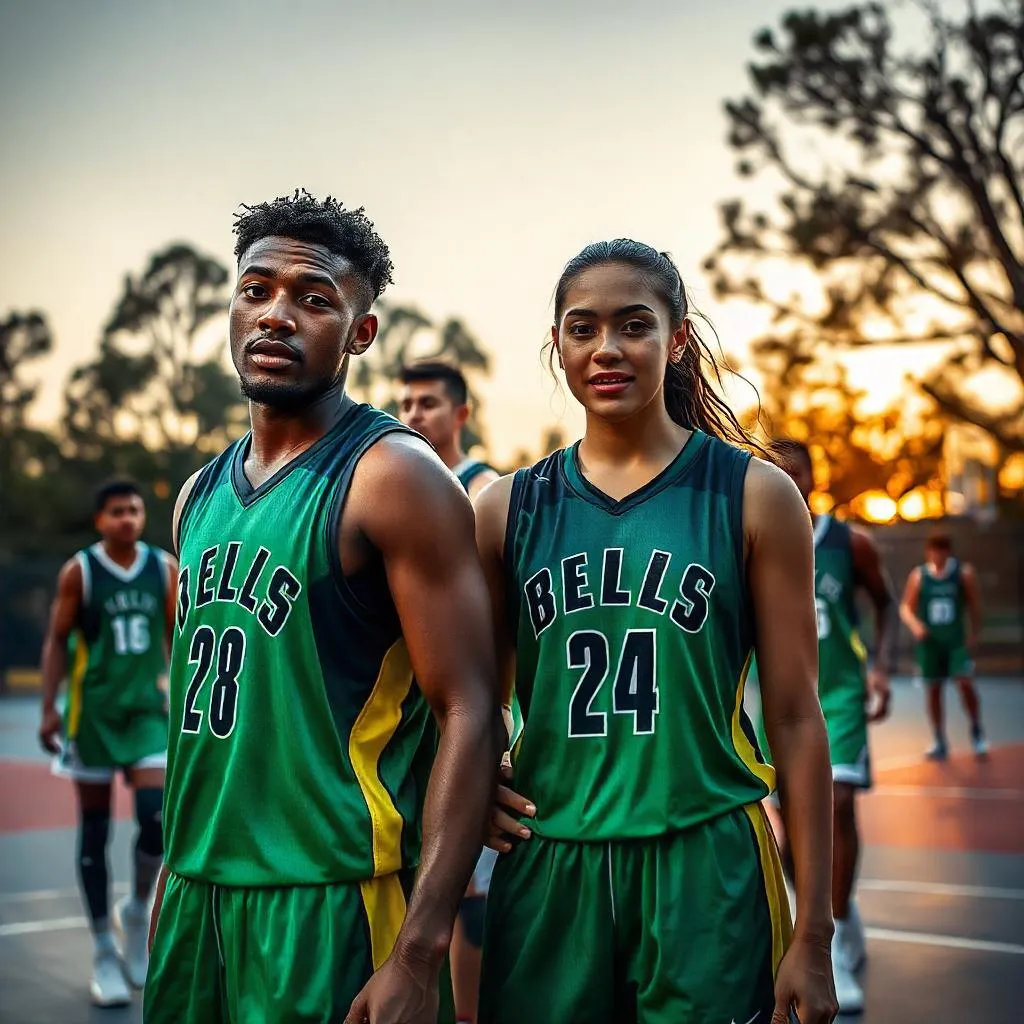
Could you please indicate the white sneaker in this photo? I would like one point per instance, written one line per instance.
(133, 924)
(848, 992)
(108, 987)
(980, 745)
(938, 751)
(850, 936)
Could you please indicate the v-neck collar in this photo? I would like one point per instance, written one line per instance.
(670, 474)
(120, 572)
(243, 488)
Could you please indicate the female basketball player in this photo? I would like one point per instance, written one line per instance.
(632, 576)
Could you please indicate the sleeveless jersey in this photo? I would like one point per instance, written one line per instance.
(634, 633)
(296, 727)
(941, 605)
(116, 652)
(841, 653)
(469, 469)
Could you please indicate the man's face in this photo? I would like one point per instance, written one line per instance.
(122, 519)
(297, 312)
(426, 406)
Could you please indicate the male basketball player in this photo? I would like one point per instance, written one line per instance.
(327, 561)
(940, 601)
(435, 403)
(115, 608)
(851, 695)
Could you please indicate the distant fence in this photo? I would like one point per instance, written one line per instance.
(996, 550)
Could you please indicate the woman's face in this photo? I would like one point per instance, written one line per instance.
(614, 338)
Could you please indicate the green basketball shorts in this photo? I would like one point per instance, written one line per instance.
(687, 928)
(99, 746)
(294, 955)
(938, 662)
(847, 723)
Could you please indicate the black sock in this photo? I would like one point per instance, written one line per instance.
(92, 865)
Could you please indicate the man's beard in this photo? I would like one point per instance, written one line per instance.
(288, 396)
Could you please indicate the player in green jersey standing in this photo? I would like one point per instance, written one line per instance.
(633, 575)
(851, 695)
(434, 401)
(114, 611)
(330, 599)
(941, 606)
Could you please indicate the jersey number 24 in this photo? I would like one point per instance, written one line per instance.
(636, 687)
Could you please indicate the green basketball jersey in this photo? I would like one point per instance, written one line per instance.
(296, 727)
(841, 653)
(941, 604)
(117, 653)
(634, 632)
(469, 469)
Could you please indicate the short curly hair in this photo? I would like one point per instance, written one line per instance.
(347, 233)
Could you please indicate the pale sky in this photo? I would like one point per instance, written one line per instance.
(488, 141)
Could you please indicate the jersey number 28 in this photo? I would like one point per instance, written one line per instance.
(636, 688)
(229, 649)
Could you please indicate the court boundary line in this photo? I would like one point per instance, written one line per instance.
(945, 941)
(981, 892)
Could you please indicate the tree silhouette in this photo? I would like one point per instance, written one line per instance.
(895, 449)
(24, 338)
(406, 334)
(158, 380)
(901, 213)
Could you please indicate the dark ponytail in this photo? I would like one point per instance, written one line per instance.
(689, 398)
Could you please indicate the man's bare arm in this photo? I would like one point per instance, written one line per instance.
(64, 612)
(870, 575)
(909, 606)
(427, 543)
(972, 594)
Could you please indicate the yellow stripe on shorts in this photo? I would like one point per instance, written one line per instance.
(384, 903)
(76, 678)
(774, 883)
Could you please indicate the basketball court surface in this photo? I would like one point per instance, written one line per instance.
(941, 890)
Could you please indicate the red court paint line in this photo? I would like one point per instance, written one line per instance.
(32, 798)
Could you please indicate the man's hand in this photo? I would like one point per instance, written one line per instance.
(879, 695)
(919, 629)
(49, 730)
(507, 803)
(805, 983)
(403, 991)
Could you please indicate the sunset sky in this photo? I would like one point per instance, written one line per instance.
(489, 142)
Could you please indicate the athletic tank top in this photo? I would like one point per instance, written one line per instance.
(841, 652)
(941, 604)
(634, 632)
(295, 724)
(469, 469)
(117, 652)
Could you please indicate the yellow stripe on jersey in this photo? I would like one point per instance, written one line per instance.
(76, 677)
(371, 733)
(858, 645)
(744, 748)
(384, 903)
(774, 884)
